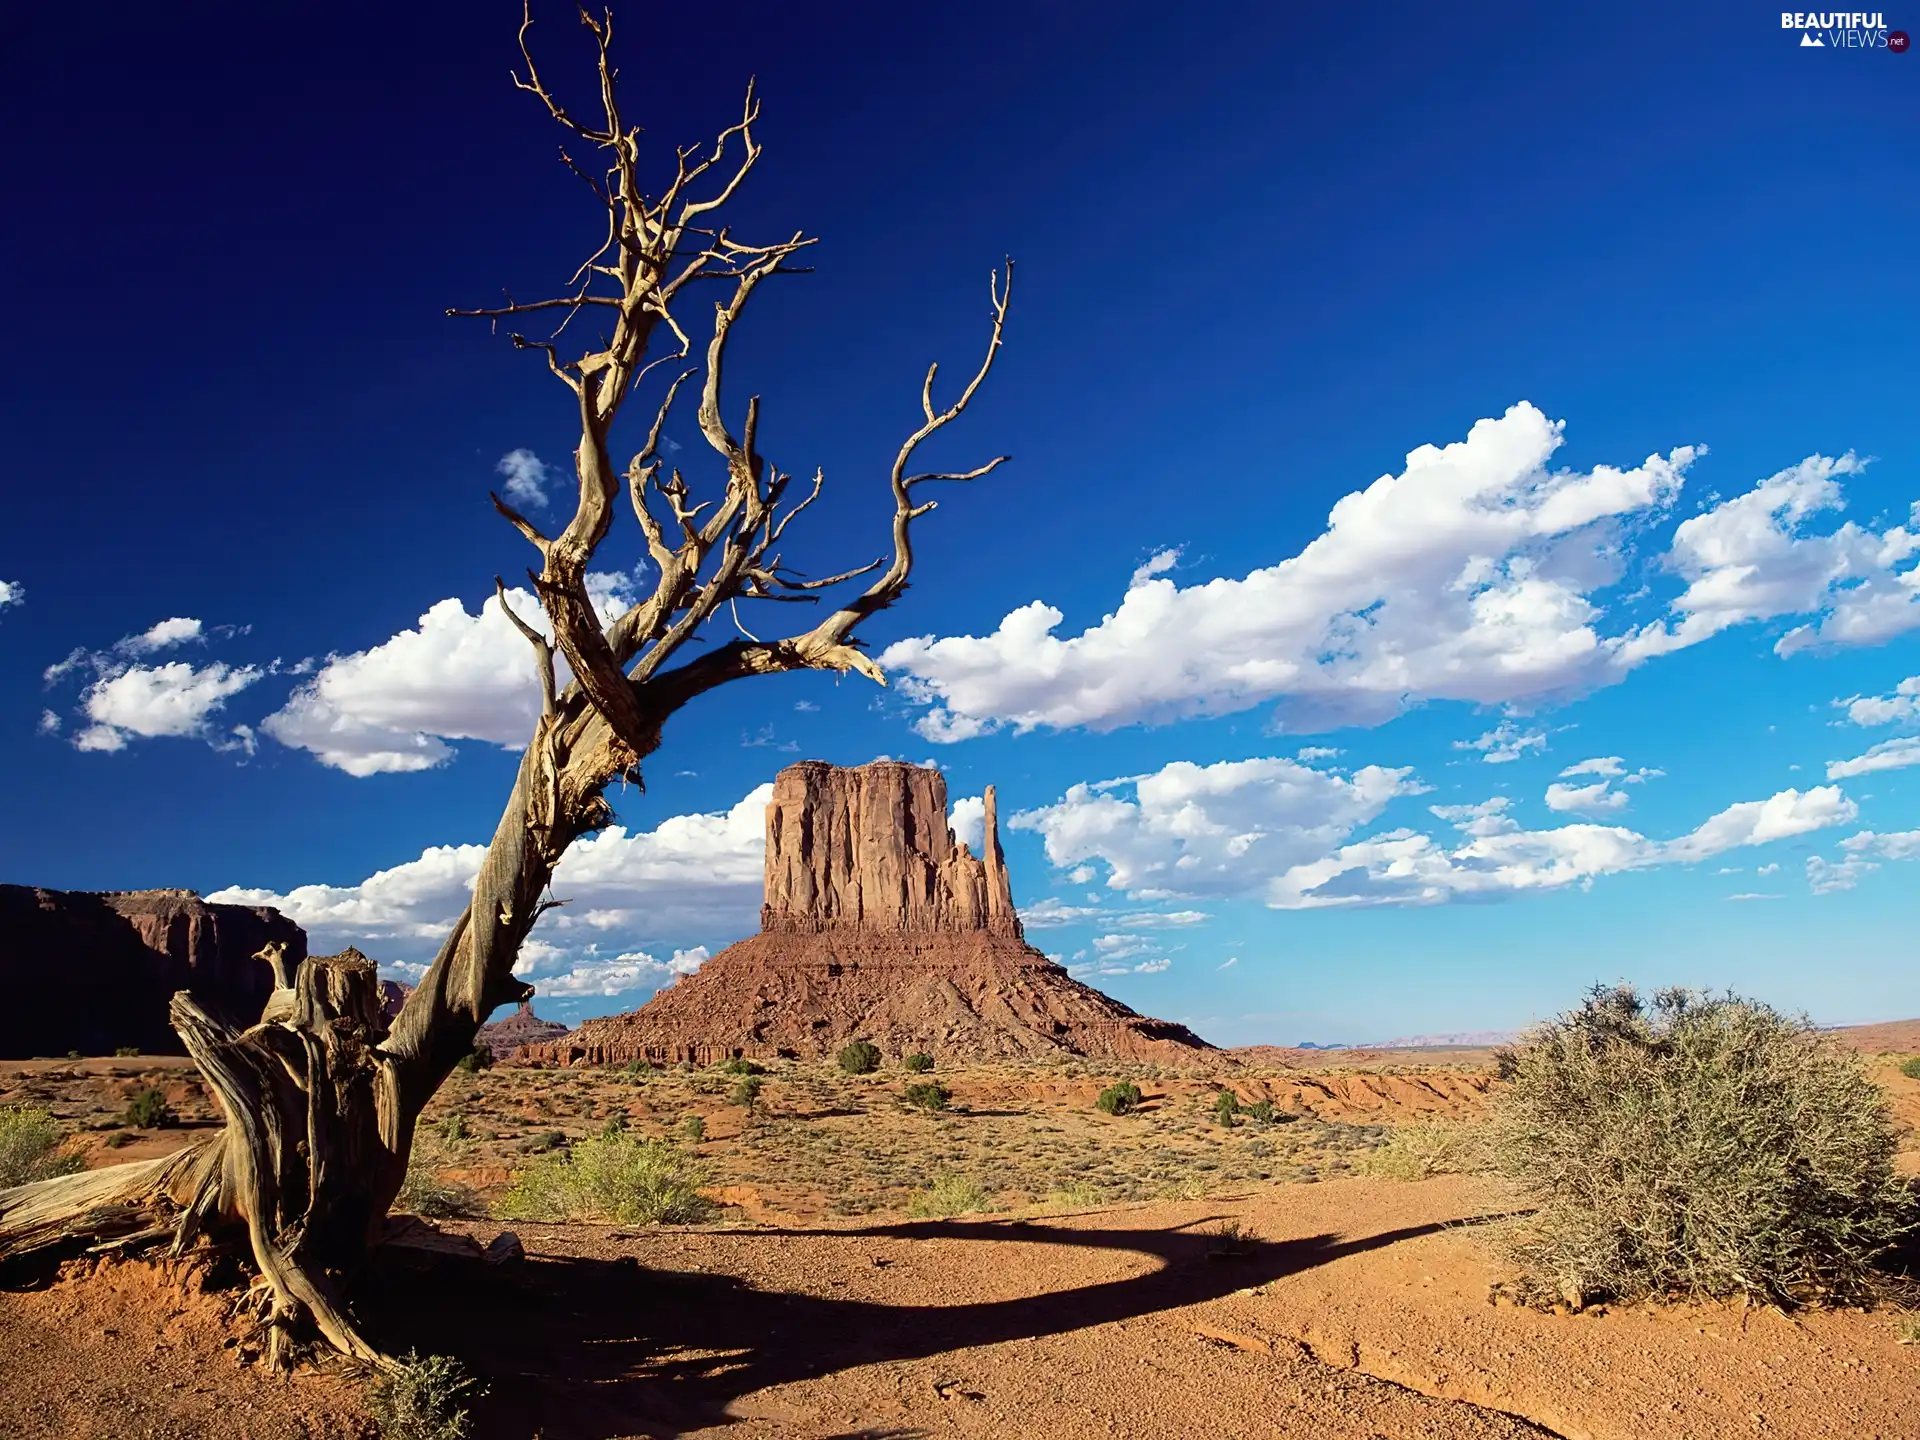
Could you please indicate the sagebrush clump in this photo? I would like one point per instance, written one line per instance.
(149, 1110)
(949, 1194)
(859, 1057)
(1699, 1146)
(1425, 1148)
(425, 1399)
(919, 1062)
(32, 1147)
(1118, 1099)
(1910, 1067)
(616, 1177)
(927, 1095)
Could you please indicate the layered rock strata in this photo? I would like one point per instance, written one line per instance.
(877, 925)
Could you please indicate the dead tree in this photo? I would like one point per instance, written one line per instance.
(321, 1097)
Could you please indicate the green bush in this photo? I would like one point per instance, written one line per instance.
(1261, 1110)
(919, 1062)
(1423, 1148)
(1910, 1067)
(741, 1066)
(928, 1095)
(31, 1146)
(454, 1129)
(746, 1091)
(478, 1058)
(693, 1129)
(1700, 1146)
(117, 1140)
(1118, 1099)
(1226, 1108)
(859, 1057)
(627, 1180)
(149, 1110)
(125, 1050)
(950, 1194)
(423, 1399)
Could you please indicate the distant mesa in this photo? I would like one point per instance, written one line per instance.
(877, 925)
(522, 1027)
(94, 971)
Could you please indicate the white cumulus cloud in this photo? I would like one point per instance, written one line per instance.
(1505, 743)
(1902, 706)
(12, 592)
(1597, 796)
(453, 676)
(1193, 830)
(148, 701)
(1404, 867)
(1887, 755)
(526, 475)
(691, 876)
(1470, 576)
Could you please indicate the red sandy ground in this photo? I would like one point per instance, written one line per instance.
(1361, 1312)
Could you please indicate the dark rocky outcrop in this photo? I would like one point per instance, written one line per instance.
(93, 971)
(878, 925)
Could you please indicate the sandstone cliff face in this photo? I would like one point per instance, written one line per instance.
(878, 926)
(93, 972)
(869, 849)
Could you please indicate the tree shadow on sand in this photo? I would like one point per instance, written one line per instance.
(587, 1349)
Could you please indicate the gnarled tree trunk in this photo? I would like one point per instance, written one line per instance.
(321, 1097)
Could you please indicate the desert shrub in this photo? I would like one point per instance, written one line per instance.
(1699, 1146)
(927, 1095)
(1118, 1099)
(454, 1129)
(423, 1399)
(746, 1091)
(616, 1124)
(478, 1058)
(1226, 1108)
(919, 1062)
(1423, 1148)
(125, 1050)
(693, 1129)
(950, 1194)
(423, 1192)
(1910, 1067)
(622, 1178)
(31, 1146)
(638, 1068)
(117, 1140)
(859, 1057)
(1261, 1110)
(1229, 1240)
(741, 1066)
(1075, 1192)
(149, 1110)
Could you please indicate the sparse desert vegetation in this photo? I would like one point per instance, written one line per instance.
(32, 1146)
(629, 1180)
(1698, 1147)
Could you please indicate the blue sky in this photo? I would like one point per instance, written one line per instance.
(1460, 537)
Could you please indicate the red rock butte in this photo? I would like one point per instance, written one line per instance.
(877, 925)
